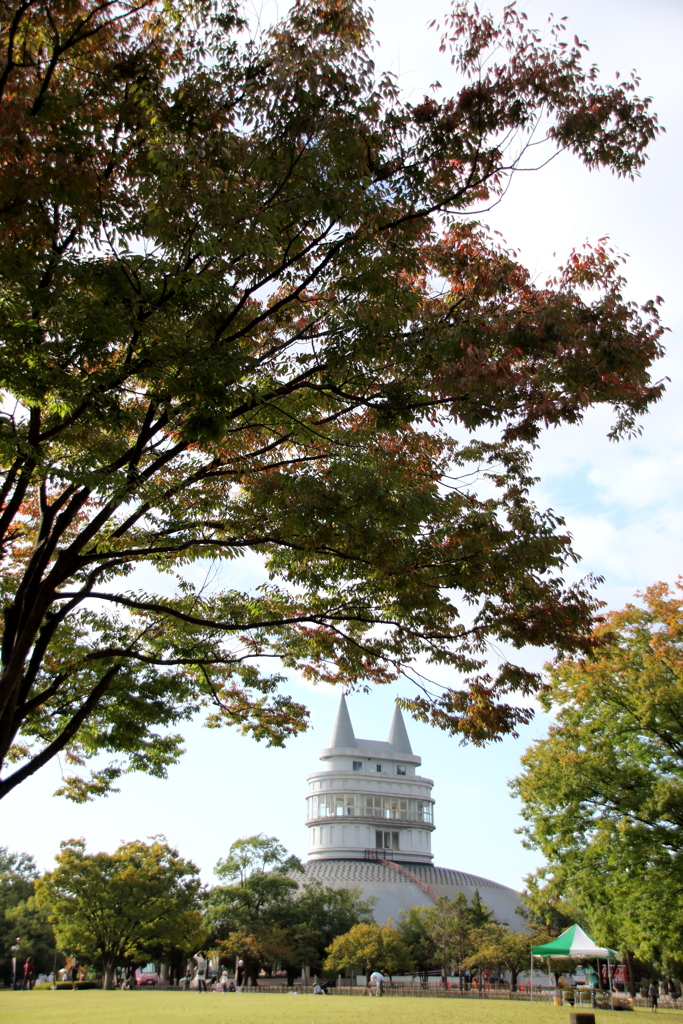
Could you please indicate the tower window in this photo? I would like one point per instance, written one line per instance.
(358, 766)
(386, 840)
(400, 769)
(379, 767)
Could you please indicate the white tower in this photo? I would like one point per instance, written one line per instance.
(367, 797)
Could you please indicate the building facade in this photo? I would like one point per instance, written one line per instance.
(369, 796)
(370, 816)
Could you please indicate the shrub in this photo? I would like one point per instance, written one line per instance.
(66, 984)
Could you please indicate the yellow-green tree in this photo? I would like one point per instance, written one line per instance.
(497, 948)
(141, 902)
(602, 794)
(367, 948)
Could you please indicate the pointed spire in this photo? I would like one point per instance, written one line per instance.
(398, 737)
(342, 732)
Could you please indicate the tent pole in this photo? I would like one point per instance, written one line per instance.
(531, 979)
(611, 990)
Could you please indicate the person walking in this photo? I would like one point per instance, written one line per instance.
(653, 992)
(224, 980)
(201, 962)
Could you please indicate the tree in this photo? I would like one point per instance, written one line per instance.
(140, 901)
(324, 913)
(366, 948)
(248, 309)
(29, 922)
(269, 919)
(499, 949)
(450, 925)
(412, 929)
(252, 855)
(259, 949)
(603, 792)
(19, 915)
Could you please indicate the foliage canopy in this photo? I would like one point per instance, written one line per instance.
(20, 917)
(603, 793)
(248, 316)
(369, 947)
(271, 919)
(139, 903)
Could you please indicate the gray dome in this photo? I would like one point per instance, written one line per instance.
(395, 891)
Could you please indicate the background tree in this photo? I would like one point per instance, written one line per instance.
(450, 925)
(250, 920)
(496, 948)
(412, 929)
(19, 915)
(603, 793)
(246, 308)
(263, 947)
(324, 913)
(107, 908)
(254, 855)
(366, 948)
(269, 919)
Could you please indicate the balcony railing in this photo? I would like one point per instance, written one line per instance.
(379, 819)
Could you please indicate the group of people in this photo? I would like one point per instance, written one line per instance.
(224, 982)
(70, 972)
(657, 989)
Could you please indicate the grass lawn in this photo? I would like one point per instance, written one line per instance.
(95, 1007)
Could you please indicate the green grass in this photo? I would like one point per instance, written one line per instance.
(95, 1007)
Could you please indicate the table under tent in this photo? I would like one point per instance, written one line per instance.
(573, 944)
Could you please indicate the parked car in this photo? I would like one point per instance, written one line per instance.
(146, 975)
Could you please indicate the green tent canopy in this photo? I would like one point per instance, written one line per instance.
(574, 944)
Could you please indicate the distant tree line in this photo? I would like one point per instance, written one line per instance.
(144, 902)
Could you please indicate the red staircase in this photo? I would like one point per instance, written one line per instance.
(410, 876)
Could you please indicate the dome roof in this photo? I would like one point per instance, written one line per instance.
(395, 891)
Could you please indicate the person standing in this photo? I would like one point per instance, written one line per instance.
(653, 992)
(28, 974)
(201, 962)
(73, 970)
(224, 981)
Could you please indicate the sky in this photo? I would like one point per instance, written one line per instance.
(621, 501)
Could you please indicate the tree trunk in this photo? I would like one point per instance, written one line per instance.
(107, 974)
(163, 974)
(513, 979)
(631, 974)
